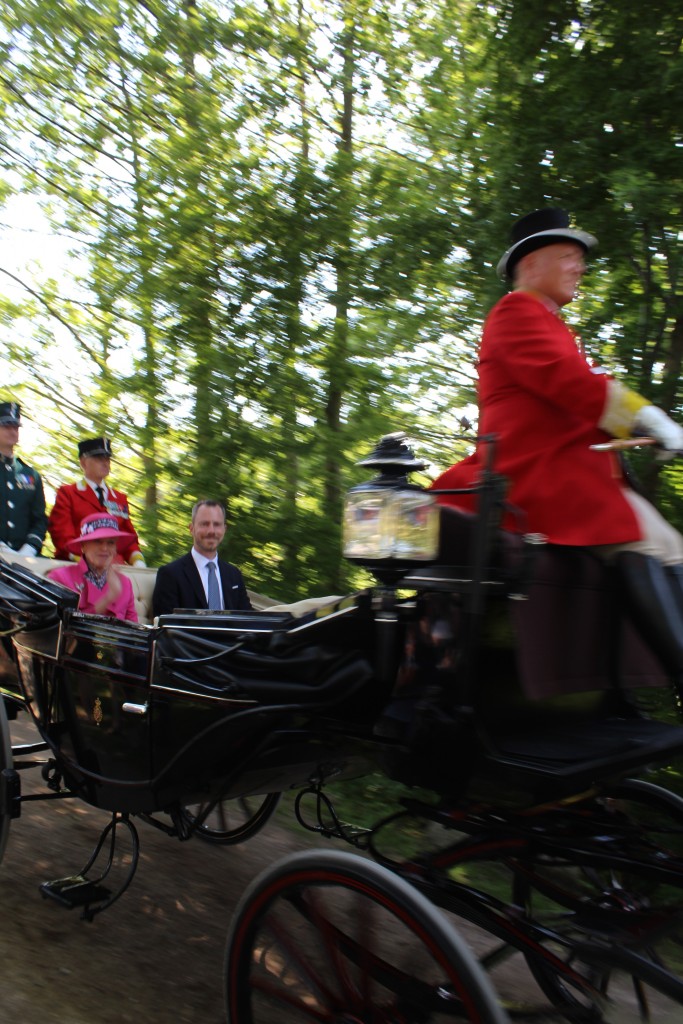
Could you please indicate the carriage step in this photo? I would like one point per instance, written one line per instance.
(76, 891)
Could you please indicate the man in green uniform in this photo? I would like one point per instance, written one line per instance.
(22, 500)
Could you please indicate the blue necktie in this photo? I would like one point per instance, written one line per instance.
(214, 593)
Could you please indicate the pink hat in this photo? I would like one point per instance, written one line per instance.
(99, 526)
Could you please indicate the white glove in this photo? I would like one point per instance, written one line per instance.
(138, 561)
(27, 549)
(655, 423)
(5, 547)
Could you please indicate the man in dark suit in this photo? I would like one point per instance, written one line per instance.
(200, 579)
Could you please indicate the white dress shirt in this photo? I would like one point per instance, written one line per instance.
(94, 486)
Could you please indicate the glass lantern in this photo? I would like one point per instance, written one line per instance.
(390, 524)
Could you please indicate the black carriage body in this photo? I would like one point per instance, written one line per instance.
(147, 718)
(207, 705)
(38, 604)
(220, 704)
(105, 750)
(257, 702)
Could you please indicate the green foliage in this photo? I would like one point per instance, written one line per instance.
(283, 223)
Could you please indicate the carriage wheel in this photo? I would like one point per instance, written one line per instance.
(331, 937)
(638, 975)
(231, 821)
(5, 762)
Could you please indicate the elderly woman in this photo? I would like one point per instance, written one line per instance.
(103, 589)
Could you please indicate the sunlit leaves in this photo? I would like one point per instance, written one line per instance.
(287, 216)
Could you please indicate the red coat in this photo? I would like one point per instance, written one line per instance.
(73, 502)
(542, 400)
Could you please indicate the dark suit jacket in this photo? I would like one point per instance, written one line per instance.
(178, 585)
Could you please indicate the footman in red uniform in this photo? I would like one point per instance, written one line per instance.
(73, 502)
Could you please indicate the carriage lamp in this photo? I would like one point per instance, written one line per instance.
(389, 523)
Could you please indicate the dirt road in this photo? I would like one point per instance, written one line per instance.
(156, 956)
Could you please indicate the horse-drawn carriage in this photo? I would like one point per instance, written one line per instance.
(438, 677)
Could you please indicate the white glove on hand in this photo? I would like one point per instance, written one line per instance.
(27, 549)
(655, 423)
(5, 547)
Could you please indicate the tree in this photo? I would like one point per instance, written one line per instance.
(287, 219)
(545, 139)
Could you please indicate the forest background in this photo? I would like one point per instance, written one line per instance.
(278, 223)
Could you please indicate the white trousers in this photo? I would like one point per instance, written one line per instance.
(660, 539)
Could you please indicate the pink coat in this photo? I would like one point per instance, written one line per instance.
(73, 577)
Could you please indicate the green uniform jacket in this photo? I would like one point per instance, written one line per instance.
(22, 504)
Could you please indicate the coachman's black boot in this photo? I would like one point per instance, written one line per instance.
(654, 594)
(675, 576)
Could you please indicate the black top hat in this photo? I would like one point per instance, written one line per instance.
(10, 414)
(94, 446)
(542, 227)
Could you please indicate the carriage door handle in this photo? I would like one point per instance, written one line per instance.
(135, 709)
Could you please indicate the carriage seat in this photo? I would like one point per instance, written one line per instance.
(566, 759)
(142, 580)
(308, 604)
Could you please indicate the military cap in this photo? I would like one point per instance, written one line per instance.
(10, 414)
(94, 446)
